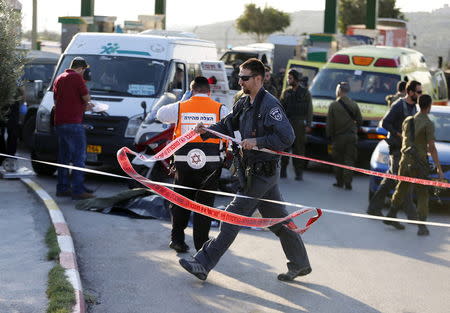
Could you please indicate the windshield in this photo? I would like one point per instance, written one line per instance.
(122, 76)
(369, 87)
(36, 71)
(442, 126)
(234, 57)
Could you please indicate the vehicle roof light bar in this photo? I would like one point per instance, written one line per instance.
(340, 58)
(383, 62)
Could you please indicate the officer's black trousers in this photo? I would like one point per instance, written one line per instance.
(260, 187)
(187, 176)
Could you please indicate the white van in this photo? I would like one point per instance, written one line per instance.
(240, 54)
(129, 73)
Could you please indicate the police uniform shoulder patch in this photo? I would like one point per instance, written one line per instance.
(276, 114)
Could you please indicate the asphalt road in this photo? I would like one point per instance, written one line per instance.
(358, 265)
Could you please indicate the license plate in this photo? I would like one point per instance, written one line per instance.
(330, 149)
(94, 149)
(91, 157)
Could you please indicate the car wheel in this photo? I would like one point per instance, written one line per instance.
(42, 169)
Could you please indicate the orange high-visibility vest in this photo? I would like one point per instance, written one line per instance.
(196, 110)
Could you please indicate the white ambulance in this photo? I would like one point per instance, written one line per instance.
(130, 73)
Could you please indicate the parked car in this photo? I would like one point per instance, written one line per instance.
(379, 162)
(38, 72)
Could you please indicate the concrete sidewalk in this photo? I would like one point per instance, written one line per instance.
(24, 267)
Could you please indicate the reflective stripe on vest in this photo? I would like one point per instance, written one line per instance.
(196, 110)
(208, 158)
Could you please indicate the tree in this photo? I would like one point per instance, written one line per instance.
(11, 59)
(354, 12)
(262, 22)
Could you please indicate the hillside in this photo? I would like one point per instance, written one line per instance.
(431, 30)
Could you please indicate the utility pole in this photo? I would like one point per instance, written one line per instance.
(160, 9)
(329, 25)
(371, 14)
(34, 27)
(87, 7)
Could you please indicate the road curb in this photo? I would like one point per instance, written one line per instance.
(67, 257)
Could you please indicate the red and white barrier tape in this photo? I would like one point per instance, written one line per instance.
(355, 169)
(222, 193)
(224, 216)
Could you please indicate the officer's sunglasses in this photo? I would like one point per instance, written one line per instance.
(418, 92)
(245, 78)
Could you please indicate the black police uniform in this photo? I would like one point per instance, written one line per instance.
(266, 121)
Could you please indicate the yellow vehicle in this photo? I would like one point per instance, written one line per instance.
(372, 73)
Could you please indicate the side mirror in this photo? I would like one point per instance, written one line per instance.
(144, 106)
(38, 89)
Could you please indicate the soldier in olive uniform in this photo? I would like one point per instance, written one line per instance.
(401, 93)
(418, 139)
(269, 82)
(297, 103)
(344, 119)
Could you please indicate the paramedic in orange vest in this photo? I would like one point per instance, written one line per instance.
(197, 163)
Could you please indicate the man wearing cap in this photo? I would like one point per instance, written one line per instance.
(197, 164)
(297, 103)
(343, 120)
(71, 98)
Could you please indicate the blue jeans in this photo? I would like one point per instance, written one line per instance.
(71, 149)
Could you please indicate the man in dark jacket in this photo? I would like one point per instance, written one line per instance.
(297, 103)
(260, 121)
(343, 121)
(392, 122)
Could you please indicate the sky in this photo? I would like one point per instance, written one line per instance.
(182, 12)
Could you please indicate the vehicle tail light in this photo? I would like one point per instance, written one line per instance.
(382, 62)
(376, 136)
(364, 61)
(340, 58)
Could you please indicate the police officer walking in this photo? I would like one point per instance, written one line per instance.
(297, 103)
(392, 122)
(197, 163)
(418, 139)
(261, 122)
(344, 119)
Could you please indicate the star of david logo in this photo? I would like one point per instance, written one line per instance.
(196, 158)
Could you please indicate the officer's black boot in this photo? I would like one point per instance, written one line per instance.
(423, 230)
(283, 172)
(393, 213)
